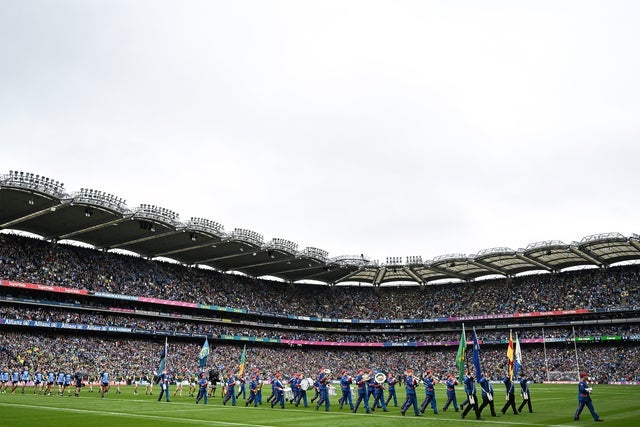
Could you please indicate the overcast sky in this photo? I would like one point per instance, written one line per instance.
(384, 128)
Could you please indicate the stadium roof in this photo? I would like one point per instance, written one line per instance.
(42, 206)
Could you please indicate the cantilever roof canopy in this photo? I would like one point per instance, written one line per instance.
(42, 206)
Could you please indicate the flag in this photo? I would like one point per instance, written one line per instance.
(510, 355)
(518, 355)
(462, 347)
(163, 357)
(204, 353)
(475, 357)
(243, 357)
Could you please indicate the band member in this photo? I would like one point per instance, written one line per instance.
(272, 396)
(392, 381)
(525, 393)
(378, 395)
(242, 389)
(323, 384)
(345, 387)
(279, 389)
(231, 390)
(258, 398)
(430, 393)
(294, 384)
(371, 388)
(451, 384)
(487, 395)
(302, 394)
(472, 398)
(511, 396)
(104, 383)
(363, 396)
(214, 379)
(584, 399)
(410, 386)
(253, 390)
(165, 380)
(316, 389)
(202, 388)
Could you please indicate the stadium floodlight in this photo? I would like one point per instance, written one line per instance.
(316, 253)
(283, 244)
(248, 236)
(414, 260)
(34, 183)
(393, 260)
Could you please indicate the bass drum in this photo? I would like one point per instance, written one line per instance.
(306, 383)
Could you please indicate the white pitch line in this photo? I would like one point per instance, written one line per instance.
(125, 414)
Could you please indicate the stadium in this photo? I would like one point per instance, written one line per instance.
(90, 284)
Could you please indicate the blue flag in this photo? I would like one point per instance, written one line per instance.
(163, 357)
(518, 359)
(475, 357)
(204, 353)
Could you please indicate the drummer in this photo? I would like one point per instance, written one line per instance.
(303, 384)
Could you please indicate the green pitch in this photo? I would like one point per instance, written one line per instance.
(554, 405)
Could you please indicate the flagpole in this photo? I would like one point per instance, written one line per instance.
(575, 348)
(544, 346)
(166, 353)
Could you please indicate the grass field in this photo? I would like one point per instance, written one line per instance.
(553, 405)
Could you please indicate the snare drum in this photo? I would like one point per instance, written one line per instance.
(288, 393)
(332, 390)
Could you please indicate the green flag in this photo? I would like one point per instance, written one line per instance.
(460, 358)
(242, 360)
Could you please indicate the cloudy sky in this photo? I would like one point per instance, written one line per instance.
(388, 128)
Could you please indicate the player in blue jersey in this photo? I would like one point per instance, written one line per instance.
(60, 382)
(67, 384)
(38, 382)
(104, 383)
(4, 379)
(51, 379)
(15, 381)
(24, 378)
